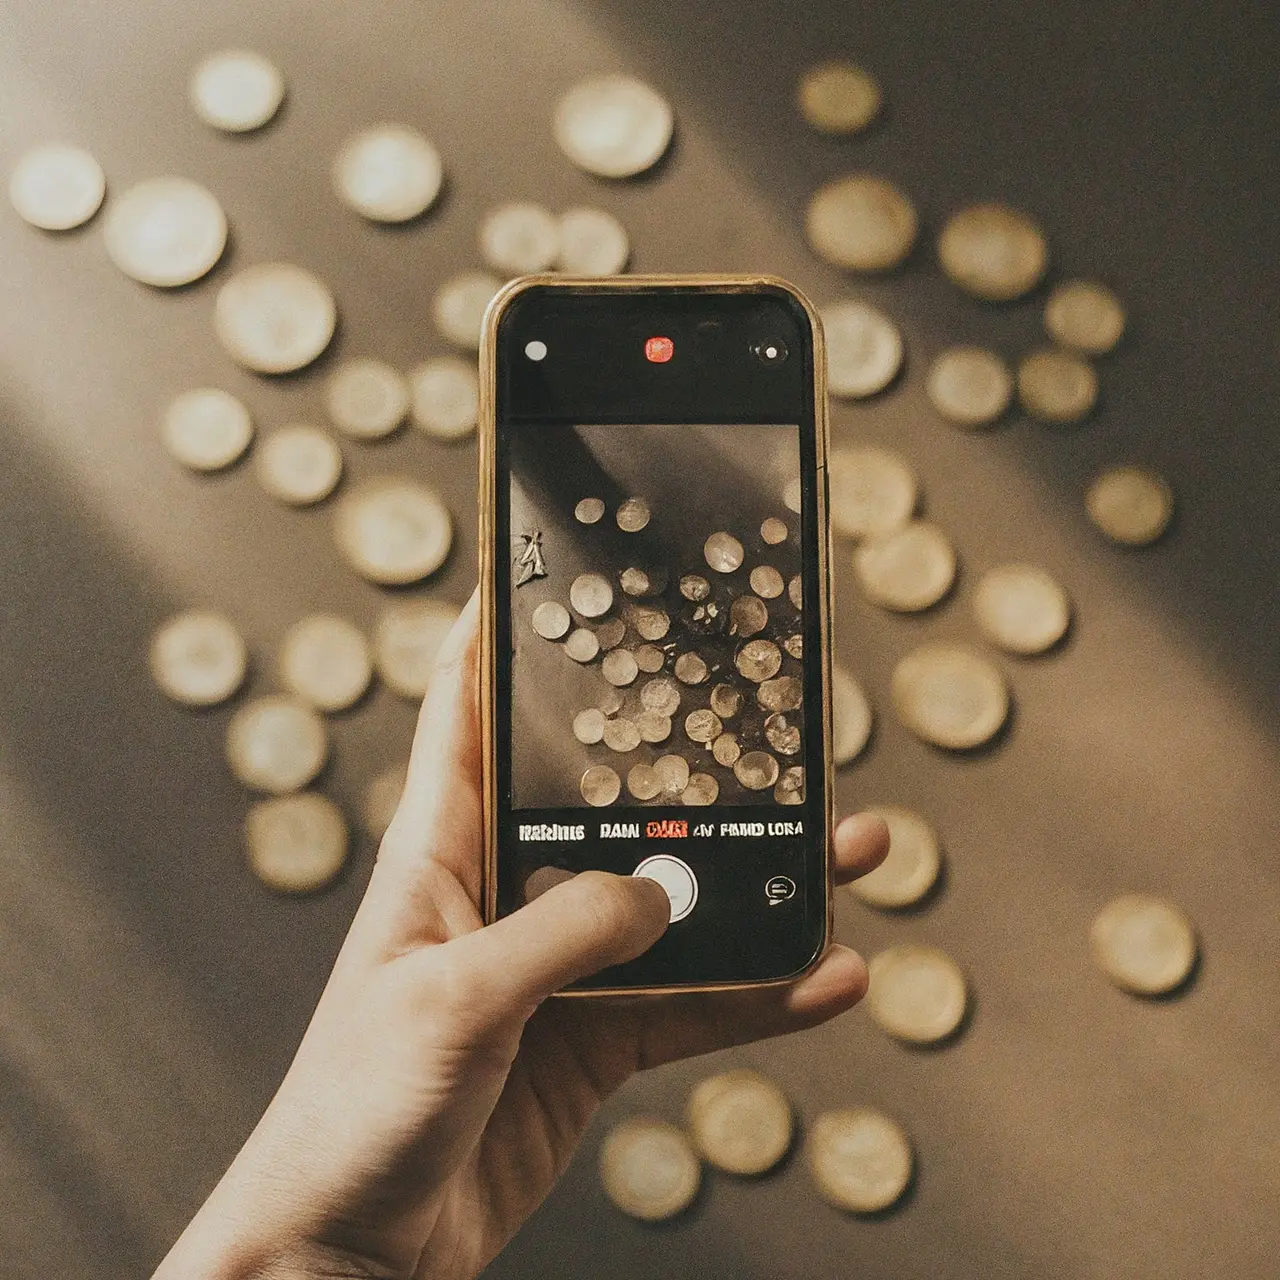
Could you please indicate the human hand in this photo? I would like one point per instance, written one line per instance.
(438, 1094)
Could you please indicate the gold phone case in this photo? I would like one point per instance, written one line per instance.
(488, 568)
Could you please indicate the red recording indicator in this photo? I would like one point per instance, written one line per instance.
(659, 350)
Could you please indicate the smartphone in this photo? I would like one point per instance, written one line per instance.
(655, 613)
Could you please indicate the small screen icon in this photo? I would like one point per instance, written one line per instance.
(779, 889)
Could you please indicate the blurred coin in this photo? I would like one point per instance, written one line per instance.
(702, 789)
(654, 726)
(275, 317)
(543, 879)
(673, 774)
(758, 660)
(551, 620)
(392, 530)
(726, 749)
(649, 658)
(446, 397)
(783, 693)
(236, 90)
(911, 867)
(1056, 386)
(838, 97)
(723, 552)
(582, 645)
(949, 695)
(748, 616)
(1021, 608)
(642, 782)
(519, 238)
(864, 349)
(694, 587)
(198, 658)
(165, 232)
(459, 306)
(850, 716)
(298, 464)
(389, 173)
(790, 786)
(588, 726)
(406, 639)
(276, 744)
(908, 569)
(860, 1159)
(611, 633)
(325, 661)
(382, 799)
(648, 1169)
(591, 595)
(621, 735)
(600, 785)
(969, 386)
(613, 126)
(635, 582)
(206, 429)
(795, 592)
(296, 843)
(592, 243)
(791, 495)
(773, 531)
(740, 1121)
(1144, 944)
(366, 398)
(690, 668)
(620, 668)
(992, 252)
(861, 222)
(726, 701)
(756, 770)
(56, 187)
(702, 726)
(633, 515)
(661, 694)
(781, 734)
(610, 701)
(766, 581)
(1085, 316)
(794, 645)
(916, 993)
(589, 510)
(1130, 505)
(871, 491)
(650, 624)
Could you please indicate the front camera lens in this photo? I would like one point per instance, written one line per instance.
(772, 351)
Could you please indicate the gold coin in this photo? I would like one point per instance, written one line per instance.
(782, 693)
(543, 879)
(236, 90)
(165, 232)
(694, 587)
(592, 243)
(766, 581)
(57, 187)
(519, 238)
(837, 97)
(748, 616)
(673, 774)
(661, 695)
(325, 661)
(871, 491)
(389, 173)
(690, 669)
(551, 620)
(907, 570)
(635, 582)
(650, 624)
(276, 744)
(298, 464)
(600, 785)
(633, 515)
(582, 645)
(207, 429)
(723, 552)
(459, 306)
(792, 494)
(406, 639)
(620, 667)
(992, 252)
(1130, 505)
(726, 701)
(274, 317)
(648, 1169)
(446, 397)
(649, 658)
(642, 782)
(740, 1122)
(654, 726)
(860, 1160)
(864, 349)
(916, 993)
(198, 659)
(610, 701)
(949, 695)
(382, 799)
(911, 867)
(702, 725)
(781, 734)
(1056, 386)
(756, 770)
(589, 510)
(794, 645)
(969, 386)
(1021, 608)
(621, 735)
(726, 749)
(588, 726)
(862, 223)
(1144, 944)
(758, 660)
(366, 398)
(773, 531)
(393, 530)
(702, 789)
(613, 126)
(1085, 316)
(296, 843)
(850, 716)
(790, 786)
(795, 592)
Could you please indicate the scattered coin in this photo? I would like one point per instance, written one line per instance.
(748, 616)
(642, 782)
(702, 726)
(635, 582)
(588, 726)
(274, 317)
(600, 785)
(519, 238)
(1021, 609)
(783, 693)
(911, 867)
(57, 187)
(620, 668)
(702, 789)
(633, 515)
(862, 223)
(773, 531)
(758, 660)
(740, 1122)
(198, 659)
(694, 587)
(613, 126)
(406, 639)
(871, 490)
(1144, 944)
(649, 658)
(792, 494)
(621, 735)
(794, 645)
(582, 645)
(206, 429)
(766, 581)
(1056, 386)
(650, 624)
(389, 173)
(795, 592)
(850, 716)
(366, 398)
(165, 232)
(276, 744)
(690, 668)
(446, 397)
(296, 843)
(861, 1160)
(325, 661)
(837, 97)
(1085, 316)
(236, 90)
(781, 734)
(864, 349)
(610, 701)
(907, 570)
(592, 243)
(591, 595)
(969, 386)
(382, 799)
(726, 749)
(790, 786)
(662, 695)
(393, 530)
(542, 879)
(756, 770)
(551, 620)
(916, 993)
(654, 726)
(589, 510)
(726, 701)
(1130, 505)
(992, 252)
(723, 552)
(298, 464)
(673, 774)
(949, 695)
(459, 306)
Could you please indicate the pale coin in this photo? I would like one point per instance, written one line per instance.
(406, 639)
(1021, 609)
(673, 774)
(610, 701)
(393, 530)
(298, 464)
(650, 624)
(795, 591)
(702, 726)
(916, 993)
(582, 645)
(649, 658)
(726, 749)
(165, 232)
(758, 660)
(949, 695)
(861, 1160)
(661, 695)
(702, 789)
(589, 510)
(871, 491)
(600, 785)
(648, 1169)
(907, 570)
(783, 693)
(726, 701)
(864, 349)
(551, 620)
(620, 668)
(591, 595)
(325, 661)
(1130, 505)
(850, 716)
(1144, 944)
(837, 97)
(519, 238)
(756, 770)
(748, 616)
(993, 252)
(861, 222)
(613, 126)
(690, 668)
(633, 515)
(276, 744)
(911, 867)
(459, 306)
(1085, 316)
(621, 734)
(198, 659)
(275, 317)
(723, 552)
(206, 429)
(446, 397)
(366, 398)
(792, 494)
(389, 173)
(782, 735)
(236, 90)
(773, 531)
(790, 786)
(1056, 386)
(794, 645)
(643, 782)
(57, 187)
(382, 799)
(693, 586)
(654, 726)
(588, 726)
(766, 581)
(969, 386)
(635, 582)
(740, 1121)
(592, 243)
(296, 843)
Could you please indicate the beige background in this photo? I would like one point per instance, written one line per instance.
(152, 993)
